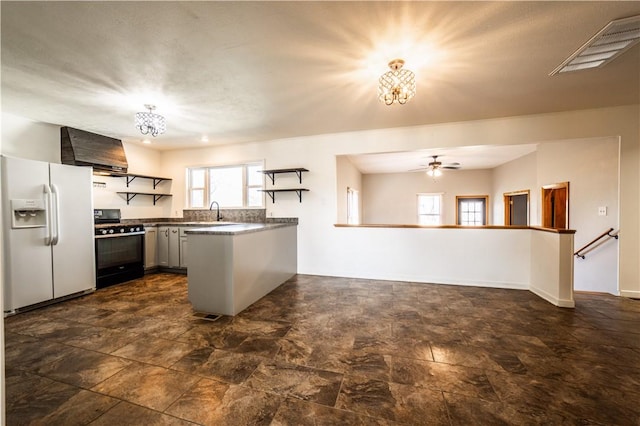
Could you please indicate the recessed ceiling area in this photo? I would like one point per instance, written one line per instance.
(469, 157)
(234, 72)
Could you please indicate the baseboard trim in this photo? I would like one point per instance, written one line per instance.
(630, 294)
(561, 303)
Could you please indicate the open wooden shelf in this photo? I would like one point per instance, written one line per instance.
(272, 192)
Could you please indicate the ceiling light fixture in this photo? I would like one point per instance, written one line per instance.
(610, 42)
(150, 123)
(397, 85)
(434, 171)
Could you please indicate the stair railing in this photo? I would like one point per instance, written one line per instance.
(608, 233)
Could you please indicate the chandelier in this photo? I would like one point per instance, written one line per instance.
(150, 123)
(397, 85)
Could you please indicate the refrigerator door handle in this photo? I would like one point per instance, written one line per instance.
(56, 221)
(48, 199)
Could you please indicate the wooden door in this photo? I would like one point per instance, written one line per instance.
(555, 206)
(516, 208)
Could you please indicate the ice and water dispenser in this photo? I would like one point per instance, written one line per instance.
(29, 213)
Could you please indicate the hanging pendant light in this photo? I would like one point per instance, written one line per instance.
(150, 123)
(397, 85)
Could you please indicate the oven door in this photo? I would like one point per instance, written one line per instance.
(119, 258)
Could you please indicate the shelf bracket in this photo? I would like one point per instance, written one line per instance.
(157, 198)
(157, 181)
(272, 176)
(272, 195)
(299, 173)
(299, 192)
(130, 197)
(129, 180)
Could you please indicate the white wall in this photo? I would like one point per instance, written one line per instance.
(347, 176)
(517, 175)
(391, 197)
(25, 138)
(591, 168)
(142, 161)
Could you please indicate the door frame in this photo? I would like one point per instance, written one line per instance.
(559, 185)
(507, 205)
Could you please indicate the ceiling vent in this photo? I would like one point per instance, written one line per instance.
(610, 42)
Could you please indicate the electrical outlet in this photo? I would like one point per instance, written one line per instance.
(602, 211)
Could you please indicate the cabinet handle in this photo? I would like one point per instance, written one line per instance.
(174, 231)
(166, 232)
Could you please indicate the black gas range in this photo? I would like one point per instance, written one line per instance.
(119, 248)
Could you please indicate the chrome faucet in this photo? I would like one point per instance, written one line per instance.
(218, 217)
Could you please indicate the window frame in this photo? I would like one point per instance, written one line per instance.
(246, 187)
(462, 198)
(353, 206)
(440, 196)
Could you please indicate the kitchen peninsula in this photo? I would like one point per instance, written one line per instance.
(231, 266)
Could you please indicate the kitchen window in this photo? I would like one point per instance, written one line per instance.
(430, 209)
(233, 186)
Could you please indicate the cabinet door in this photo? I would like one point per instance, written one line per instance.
(174, 247)
(163, 246)
(183, 252)
(150, 246)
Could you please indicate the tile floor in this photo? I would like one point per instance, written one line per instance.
(325, 351)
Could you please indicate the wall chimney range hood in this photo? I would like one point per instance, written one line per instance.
(82, 148)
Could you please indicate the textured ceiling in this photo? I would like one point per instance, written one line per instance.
(254, 71)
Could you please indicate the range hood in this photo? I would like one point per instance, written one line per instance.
(82, 148)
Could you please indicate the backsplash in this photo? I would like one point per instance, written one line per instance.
(228, 215)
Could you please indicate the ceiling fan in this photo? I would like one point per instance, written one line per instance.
(435, 167)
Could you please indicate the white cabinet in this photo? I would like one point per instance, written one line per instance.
(150, 247)
(163, 246)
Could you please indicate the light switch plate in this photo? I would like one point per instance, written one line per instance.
(602, 211)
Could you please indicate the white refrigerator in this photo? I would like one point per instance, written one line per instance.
(47, 215)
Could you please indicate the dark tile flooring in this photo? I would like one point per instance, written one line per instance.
(325, 351)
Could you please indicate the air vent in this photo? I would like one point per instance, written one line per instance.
(609, 43)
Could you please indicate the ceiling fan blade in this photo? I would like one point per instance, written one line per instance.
(451, 166)
(419, 170)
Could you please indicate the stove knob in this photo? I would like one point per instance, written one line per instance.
(138, 229)
(132, 230)
(111, 231)
(103, 232)
(122, 230)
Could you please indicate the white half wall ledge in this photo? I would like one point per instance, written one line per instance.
(523, 258)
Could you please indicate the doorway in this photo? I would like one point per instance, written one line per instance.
(555, 206)
(516, 208)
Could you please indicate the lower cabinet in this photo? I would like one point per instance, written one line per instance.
(163, 246)
(183, 248)
(172, 247)
(150, 247)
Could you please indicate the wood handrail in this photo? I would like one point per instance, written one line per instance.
(606, 233)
